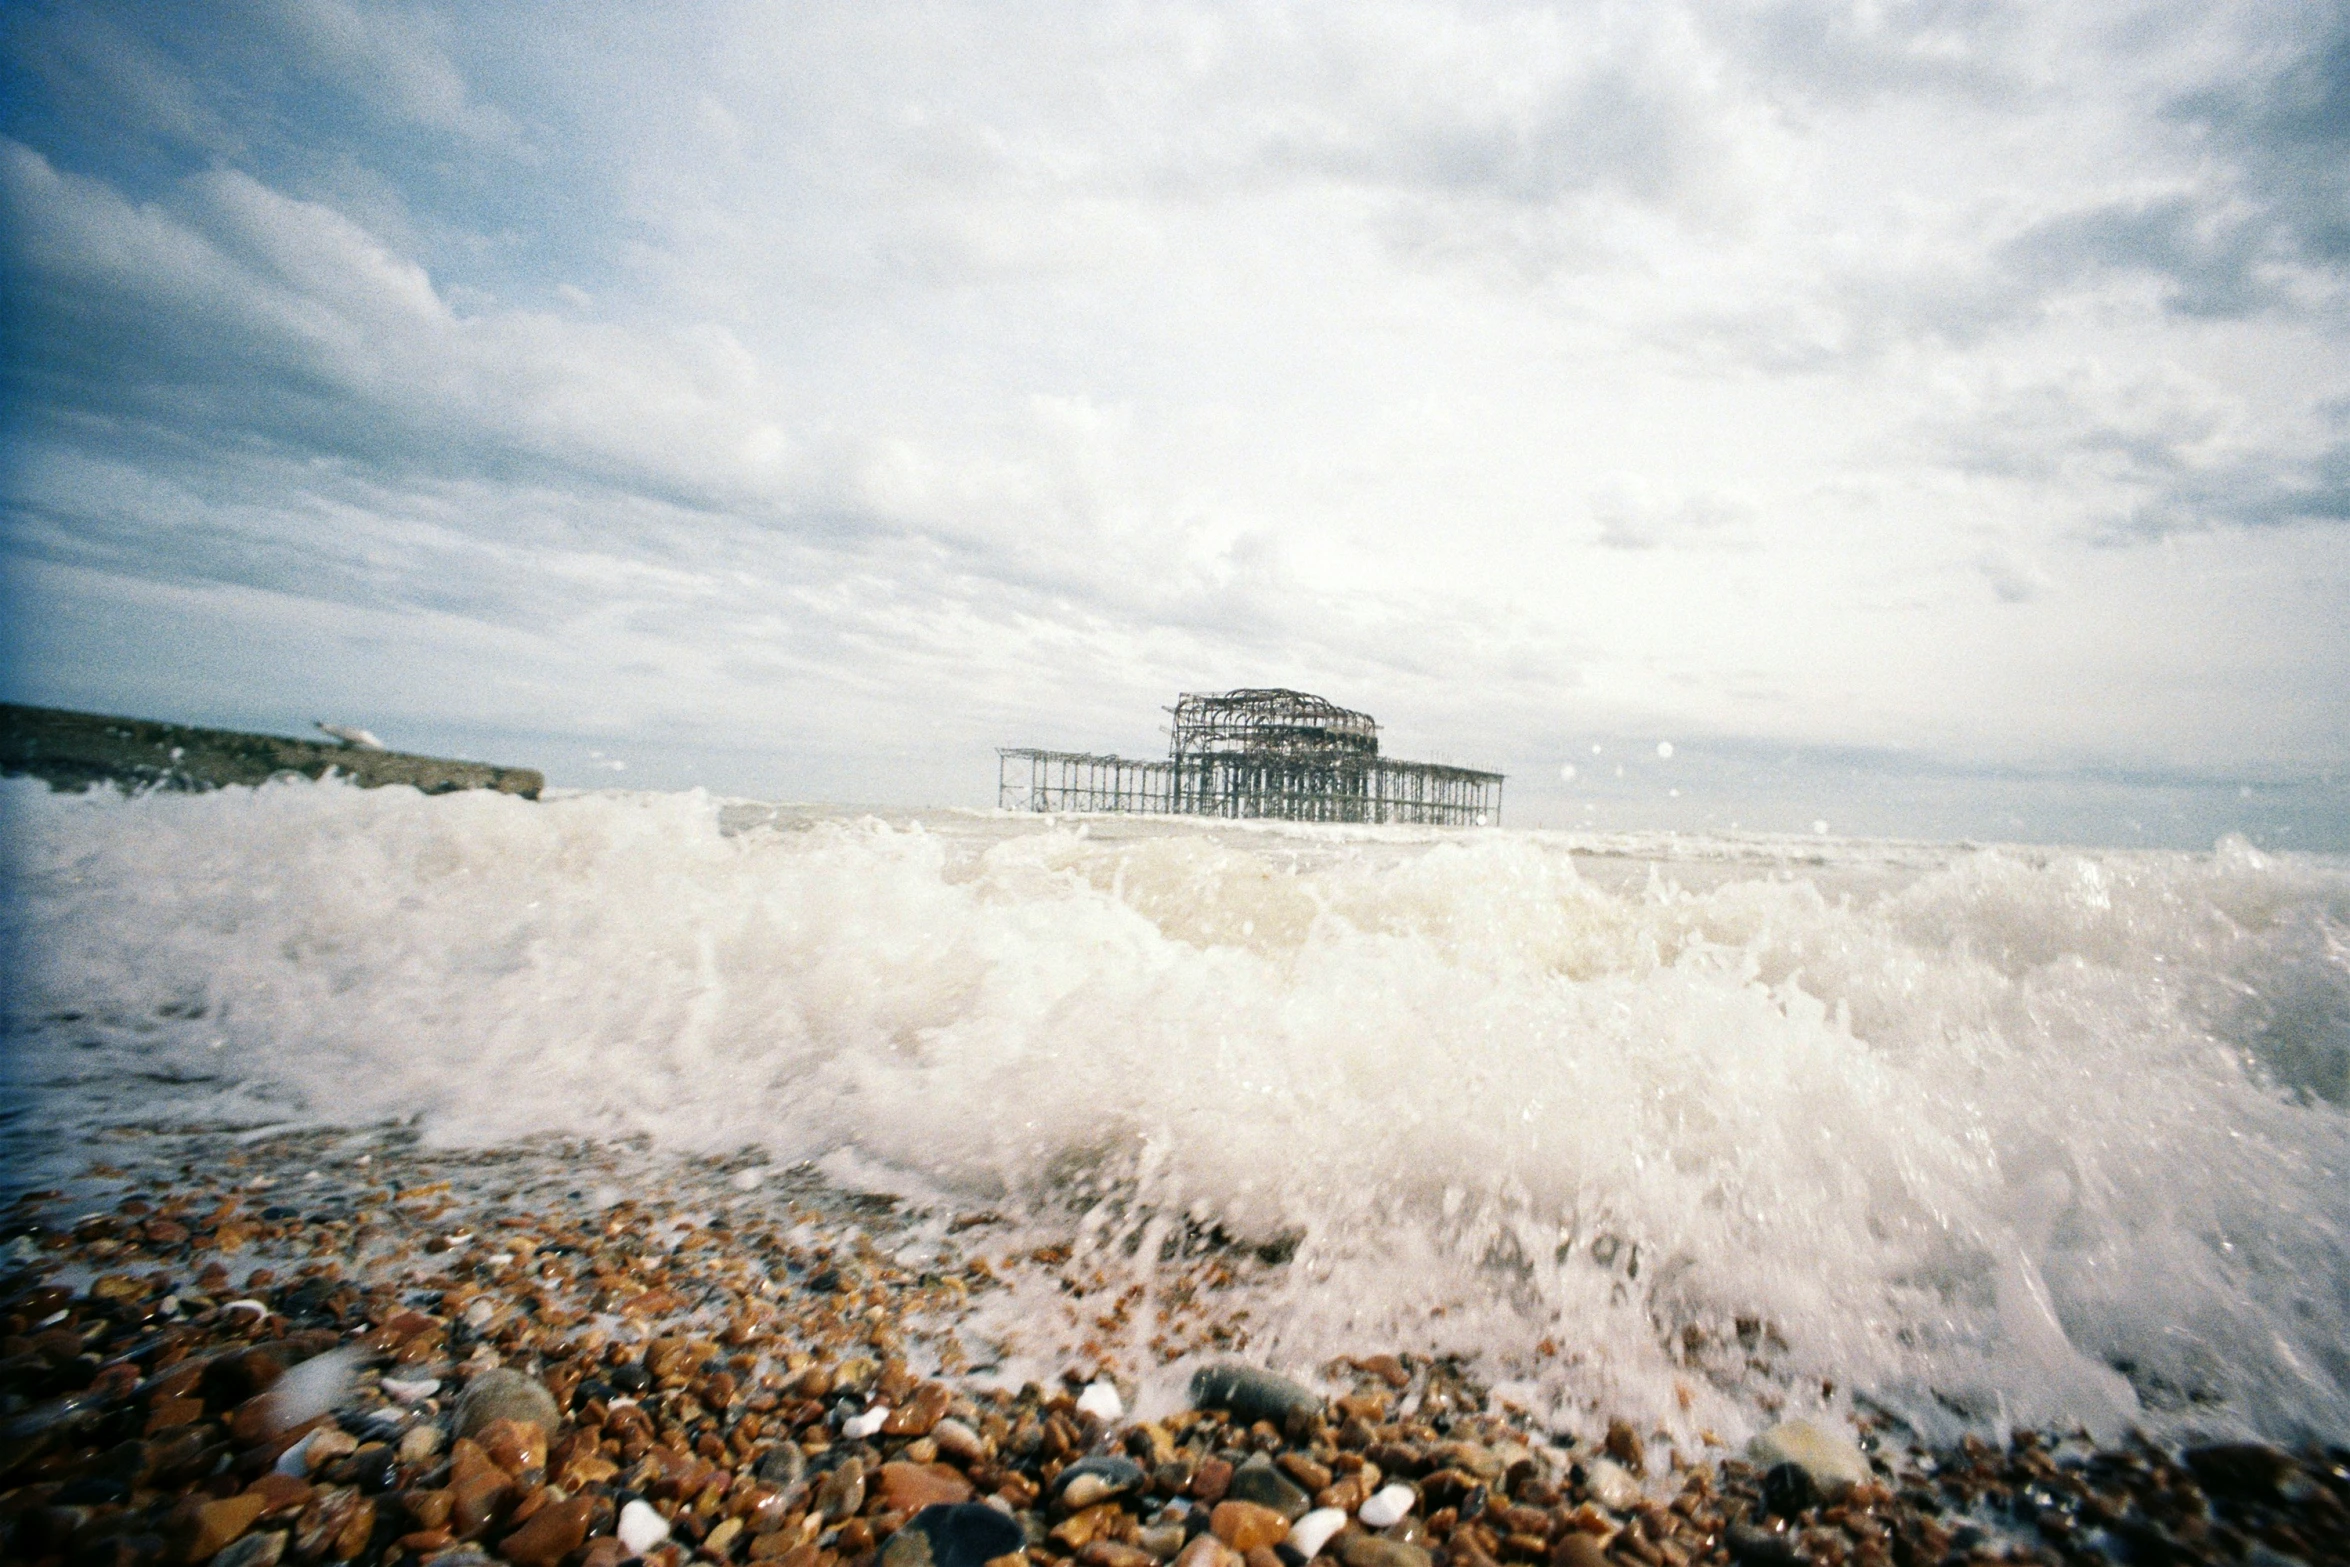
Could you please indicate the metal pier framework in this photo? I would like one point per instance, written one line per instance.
(1255, 753)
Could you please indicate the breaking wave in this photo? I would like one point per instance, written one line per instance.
(1683, 1127)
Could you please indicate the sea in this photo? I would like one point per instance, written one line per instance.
(1697, 1128)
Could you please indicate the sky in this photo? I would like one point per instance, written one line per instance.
(1916, 419)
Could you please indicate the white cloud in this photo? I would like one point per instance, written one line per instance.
(1512, 372)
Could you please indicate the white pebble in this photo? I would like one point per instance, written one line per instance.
(1100, 1398)
(405, 1391)
(1386, 1509)
(641, 1528)
(1309, 1534)
(858, 1427)
(1611, 1485)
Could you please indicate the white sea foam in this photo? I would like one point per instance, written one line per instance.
(1678, 1127)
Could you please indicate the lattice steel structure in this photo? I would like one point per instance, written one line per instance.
(1255, 753)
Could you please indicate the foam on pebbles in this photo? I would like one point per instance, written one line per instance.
(1387, 1506)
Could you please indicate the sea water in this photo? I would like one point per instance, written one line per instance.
(1698, 1130)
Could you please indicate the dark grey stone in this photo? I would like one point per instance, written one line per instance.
(1259, 1482)
(1752, 1547)
(958, 1534)
(1251, 1395)
(1787, 1489)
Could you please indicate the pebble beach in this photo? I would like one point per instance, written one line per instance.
(307, 1347)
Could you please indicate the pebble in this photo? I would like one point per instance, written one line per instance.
(1787, 1490)
(1753, 1547)
(418, 1444)
(1097, 1479)
(217, 1523)
(641, 1528)
(841, 1493)
(1369, 1550)
(965, 1534)
(784, 1467)
(1101, 1399)
(1259, 1482)
(502, 1394)
(958, 1440)
(552, 1533)
(1577, 1549)
(404, 1391)
(1309, 1534)
(254, 1550)
(1826, 1456)
(1244, 1526)
(1611, 1485)
(858, 1427)
(908, 1488)
(1387, 1506)
(1251, 1395)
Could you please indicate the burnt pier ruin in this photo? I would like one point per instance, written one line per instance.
(1255, 753)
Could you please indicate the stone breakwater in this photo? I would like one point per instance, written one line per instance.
(255, 1353)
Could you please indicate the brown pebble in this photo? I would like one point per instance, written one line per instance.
(1314, 1477)
(518, 1447)
(1371, 1550)
(1087, 1525)
(604, 1551)
(1109, 1553)
(1211, 1480)
(921, 1413)
(908, 1488)
(1623, 1445)
(1244, 1526)
(1206, 1550)
(552, 1533)
(429, 1509)
(217, 1523)
(478, 1489)
(167, 1413)
(842, 1492)
(1263, 1556)
(1577, 1549)
(279, 1493)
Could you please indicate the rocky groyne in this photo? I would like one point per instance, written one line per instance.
(70, 750)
